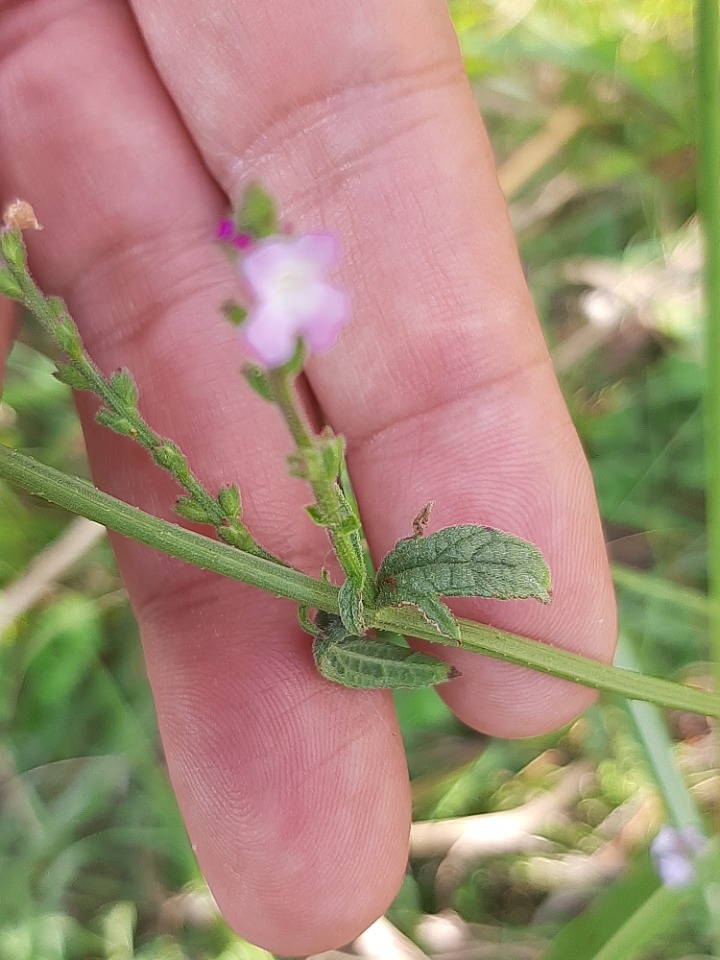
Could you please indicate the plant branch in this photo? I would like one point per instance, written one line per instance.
(80, 497)
(708, 139)
(120, 412)
(332, 509)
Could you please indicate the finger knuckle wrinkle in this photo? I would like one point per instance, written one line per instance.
(338, 133)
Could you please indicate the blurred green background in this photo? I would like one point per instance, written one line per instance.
(590, 109)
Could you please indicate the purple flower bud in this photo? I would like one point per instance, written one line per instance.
(674, 851)
(242, 241)
(225, 230)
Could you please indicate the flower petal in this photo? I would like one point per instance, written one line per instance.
(264, 261)
(665, 842)
(270, 335)
(673, 852)
(692, 840)
(332, 312)
(676, 871)
(321, 250)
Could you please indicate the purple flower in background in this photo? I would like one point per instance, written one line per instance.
(292, 298)
(674, 851)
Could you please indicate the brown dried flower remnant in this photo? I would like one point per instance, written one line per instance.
(422, 519)
(20, 216)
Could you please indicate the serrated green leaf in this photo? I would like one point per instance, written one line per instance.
(9, 286)
(365, 663)
(192, 510)
(230, 502)
(350, 601)
(123, 385)
(72, 376)
(257, 380)
(256, 214)
(116, 422)
(462, 561)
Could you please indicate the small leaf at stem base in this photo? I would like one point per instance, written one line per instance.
(12, 248)
(72, 376)
(230, 502)
(316, 514)
(367, 663)
(234, 312)
(438, 614)
(257, 380)
(192, 510)
(115, 422)
(256, 214)
(123, 385)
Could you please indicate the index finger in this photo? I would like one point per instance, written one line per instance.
(442, 385)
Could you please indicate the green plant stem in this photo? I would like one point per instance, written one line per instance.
(329, 496)
(652, 734)
(80, 497)
(544, 658)
(708, 138)
(51, 313)
(650, 586)
(707, 45)
(649, 921)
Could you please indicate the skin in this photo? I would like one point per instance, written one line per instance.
(130, 127)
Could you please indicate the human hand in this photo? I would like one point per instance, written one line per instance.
(128, 130)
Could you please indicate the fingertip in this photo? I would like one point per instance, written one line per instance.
(348, 895)
(504, 700)
(294, 790)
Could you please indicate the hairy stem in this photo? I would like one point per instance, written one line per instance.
(80, 497)
(54, 317)
(331, 502)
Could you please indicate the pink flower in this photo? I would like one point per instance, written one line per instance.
(292, 298)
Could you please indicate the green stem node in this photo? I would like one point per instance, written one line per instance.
(332, 509)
